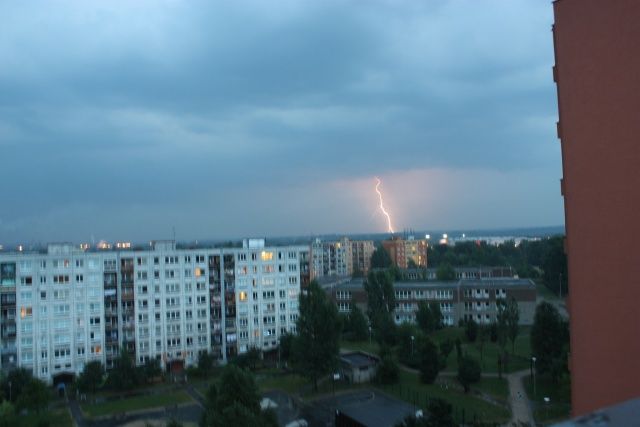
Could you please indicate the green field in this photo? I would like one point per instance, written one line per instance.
(136, 403)
(59, 417)
(411, 390)
(559, 407)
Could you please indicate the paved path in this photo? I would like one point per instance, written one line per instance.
(520, 408)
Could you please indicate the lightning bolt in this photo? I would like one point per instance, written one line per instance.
(384, 211)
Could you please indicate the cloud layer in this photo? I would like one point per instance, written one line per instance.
(123, 119)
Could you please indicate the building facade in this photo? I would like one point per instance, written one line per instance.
(596, 71)
(342, 257)
(465, 299)
(64, 307)
(408, 252)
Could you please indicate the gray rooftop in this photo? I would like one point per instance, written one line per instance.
(378, 410)
(358, 359)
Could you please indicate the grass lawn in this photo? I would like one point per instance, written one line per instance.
(411, 390)
(545, 292)
(136, 403)
(498, 388)
(59, 417)
(365, 346)
(288, 382)
(559, 407)
(489, 362)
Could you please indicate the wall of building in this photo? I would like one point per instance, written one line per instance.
(596, 71)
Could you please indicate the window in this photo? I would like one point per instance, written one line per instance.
(243, 296)
(26, 312)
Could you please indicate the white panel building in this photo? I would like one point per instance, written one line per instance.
(72, 306)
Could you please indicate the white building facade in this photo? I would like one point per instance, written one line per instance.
(72, 306)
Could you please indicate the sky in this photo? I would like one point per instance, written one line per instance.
(124, 120)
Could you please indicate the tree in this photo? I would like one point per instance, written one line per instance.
(249, 359)
(471, 330)
(429, 361)
(468, 372)
(91, 377)
(381, 303)
(554, 265)
(445, 272)
(429, 317)
(18, 378)
(285, 347)
(124, 375)
(380, 258)
(236, 402)
(7, 414)
(446, 347)
(388, 370)
(151, 369)
(513, 322)
(205, 363)
(358, 330)
(483, 336)
(34, 396)
(316, 346)
(549, 341)
(407, 347)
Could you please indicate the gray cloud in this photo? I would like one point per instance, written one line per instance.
(157, 107)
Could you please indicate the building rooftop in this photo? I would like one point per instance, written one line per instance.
(623, 414)
(376, 410)
(358, 359)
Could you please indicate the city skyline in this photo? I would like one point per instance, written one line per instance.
(122, 121)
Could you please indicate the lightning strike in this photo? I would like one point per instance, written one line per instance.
(389, 226)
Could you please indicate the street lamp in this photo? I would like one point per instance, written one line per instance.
(9, 391)
(533, 372)
(412, 340)
(369, 334)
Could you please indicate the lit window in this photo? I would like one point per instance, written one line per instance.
(267, 256)
(243, 296)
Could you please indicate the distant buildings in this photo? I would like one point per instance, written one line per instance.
(407, 253)
(597, 73)
(343, 257)
(465, 299)
(65, 307)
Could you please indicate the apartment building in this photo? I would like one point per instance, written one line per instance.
(408, 252)
(340, 258)
(465, 299)
(66, 306)
(596, 70)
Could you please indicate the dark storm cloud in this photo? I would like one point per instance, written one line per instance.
(153, 106)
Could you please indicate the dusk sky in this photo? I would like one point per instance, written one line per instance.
(123, 119)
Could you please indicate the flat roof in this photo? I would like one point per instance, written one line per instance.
(379, 410)
(358, 358)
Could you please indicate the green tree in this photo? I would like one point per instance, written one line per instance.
(428, 317)
(35, 396)
(236, 402)
(445, 272)
(429, 361)
(124, 375)
(554, 265)
(18, 378)
(513, 322)
(440, 413)
(316, 346)
(549, 341)
(381, 303)
(358, 327)
(285, 347)
(471, 330)
(446, 347)
(380, 258)
(205, 363)
(151, 369)
(468, 372)
(7, 414)
(91, 377)
(483, 336)
(407, 349)
(388, 370)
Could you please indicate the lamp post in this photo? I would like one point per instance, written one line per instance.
(412, 340)
(9, 391)
(533, 359)
(369, 334)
